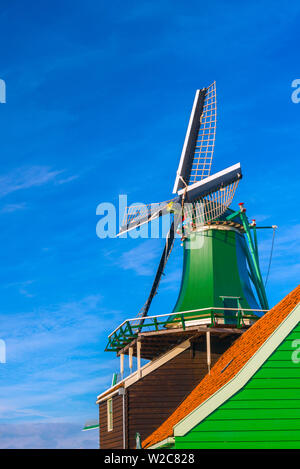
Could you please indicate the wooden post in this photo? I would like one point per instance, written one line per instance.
(122, 365)
(130, 358)
(208, 351)
(138, 355)
(122, 393)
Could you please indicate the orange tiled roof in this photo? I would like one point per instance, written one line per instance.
(240, 352)
(110, 390)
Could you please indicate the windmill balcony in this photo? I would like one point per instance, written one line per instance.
(185, 321)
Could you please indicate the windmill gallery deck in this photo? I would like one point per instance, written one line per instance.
(220, 358)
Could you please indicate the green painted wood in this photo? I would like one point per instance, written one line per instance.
(294, 336)
(274, 383)
(290, 345)
(253, 262)
(238, 445)
(272, 373)
(263, 425)
(264, 414)
(296, 330)
(260, 404)
(283, 355)
(256, 414)
(280, 364)
(247, 435)
(204, 278)
(253, 394)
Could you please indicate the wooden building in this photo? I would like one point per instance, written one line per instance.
(178, 360)
(251, 398)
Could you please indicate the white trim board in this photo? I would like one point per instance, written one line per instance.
(186, 140)
(241, 378)
(169, 440)
(235, 169)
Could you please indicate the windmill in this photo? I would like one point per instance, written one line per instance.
(220, 246)
(216, 301)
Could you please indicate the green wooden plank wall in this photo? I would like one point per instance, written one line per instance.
(264, 414)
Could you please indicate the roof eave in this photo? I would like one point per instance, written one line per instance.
(167, 441)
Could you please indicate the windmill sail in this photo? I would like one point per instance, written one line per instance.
(208, 196)
(203, 210)
(161, 266)
(137, 215)
(208, 208)
(212, 183)
(197, 153)
(211, 191)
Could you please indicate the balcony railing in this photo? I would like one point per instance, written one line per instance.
(211, 317)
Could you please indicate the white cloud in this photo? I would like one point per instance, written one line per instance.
(24, 178)
(261, 217)
(143, 259)
(53, 435)
(171, 281)
(27, 177)
(68, 179)
(51, 360)
(9, 208)
(21, 287)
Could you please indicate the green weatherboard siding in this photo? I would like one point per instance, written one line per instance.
(264, 414)
(214, 265)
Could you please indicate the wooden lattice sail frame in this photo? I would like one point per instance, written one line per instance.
(199, 212)
(138, 214)
(208, 208)
(204, 148)
(213, 194)
(197, 152)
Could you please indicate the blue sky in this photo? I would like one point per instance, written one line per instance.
(98, 100)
